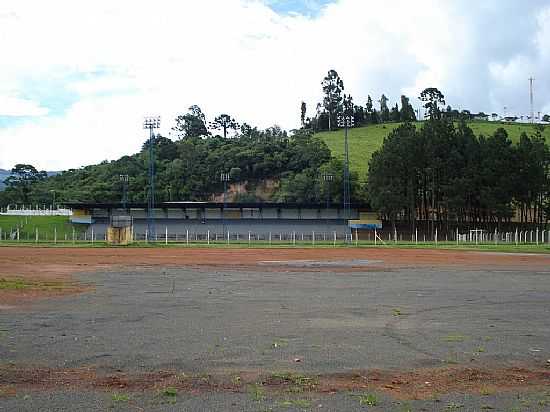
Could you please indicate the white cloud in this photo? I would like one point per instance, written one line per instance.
(128, 58)
(14, 106)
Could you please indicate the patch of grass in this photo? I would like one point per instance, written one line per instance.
(170, 394)
(367, 399)
(454, 338)
(299, 381)
(45, 224)
(397, 312)
(279, 343)
(486, 391)
(13, 284)
(256, 392)
(120, 397)
(23, 284)
(298, 403)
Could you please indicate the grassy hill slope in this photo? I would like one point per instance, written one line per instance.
(363, 141)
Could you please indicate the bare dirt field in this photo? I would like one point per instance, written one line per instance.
(273, 329)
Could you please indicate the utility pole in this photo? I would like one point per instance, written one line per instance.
(531, 80)
(151, 123)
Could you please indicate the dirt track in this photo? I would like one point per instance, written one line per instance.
(59, 263)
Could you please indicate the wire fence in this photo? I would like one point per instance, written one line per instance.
(538, 236)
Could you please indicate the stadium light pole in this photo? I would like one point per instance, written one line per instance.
(345, 120)
(328, 178)
(224, 177)
(53, 205)
(124, 180)
(151, 123)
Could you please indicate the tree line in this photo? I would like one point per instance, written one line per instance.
(189, 168)
(442, 172)
(335, 101)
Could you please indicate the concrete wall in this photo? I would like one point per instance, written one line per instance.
(284, 227)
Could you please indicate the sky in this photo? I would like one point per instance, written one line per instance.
(78, 77)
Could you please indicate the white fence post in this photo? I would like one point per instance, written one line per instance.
(313, 238)
(187, 237)
(208, 237)
(36, 235)
(249, 238)
(165, 235)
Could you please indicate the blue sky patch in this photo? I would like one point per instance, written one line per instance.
(304, 7)
(54, 92)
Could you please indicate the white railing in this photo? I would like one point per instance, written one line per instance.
(35, 211)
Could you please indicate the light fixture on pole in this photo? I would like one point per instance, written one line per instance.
(124, 180)
(53, 205)
(345, 120)
(224, 177)
(328, 178)
(151, 123)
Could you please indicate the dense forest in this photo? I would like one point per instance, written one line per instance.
(437, 170)
(444, 173)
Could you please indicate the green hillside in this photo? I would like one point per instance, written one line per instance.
(44, 224)
(363, 141)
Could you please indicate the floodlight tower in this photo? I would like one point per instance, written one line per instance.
(224, 177)
(124, 180)
(345, 120)
(328, 178)
(151, 123)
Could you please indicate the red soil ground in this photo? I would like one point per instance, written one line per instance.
(59, 264)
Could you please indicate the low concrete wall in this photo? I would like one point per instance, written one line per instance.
(284, 227)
